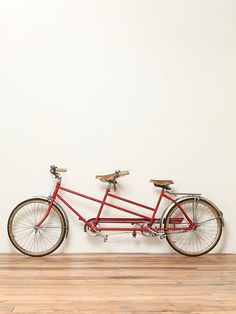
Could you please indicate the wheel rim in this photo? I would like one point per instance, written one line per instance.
(200, 240)
(31, 240)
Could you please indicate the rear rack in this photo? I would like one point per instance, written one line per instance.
(187, 194)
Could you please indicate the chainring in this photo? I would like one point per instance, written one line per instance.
(89, 231)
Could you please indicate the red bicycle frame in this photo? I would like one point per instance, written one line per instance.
(141, 218)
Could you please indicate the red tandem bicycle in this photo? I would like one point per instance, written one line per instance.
(191, 223)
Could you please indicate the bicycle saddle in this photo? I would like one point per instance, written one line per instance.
(162, 183)
(112, 176)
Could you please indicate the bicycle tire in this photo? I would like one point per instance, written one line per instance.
(173, 239)
(36, 210)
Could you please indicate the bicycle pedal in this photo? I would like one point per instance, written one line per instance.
(105, 238)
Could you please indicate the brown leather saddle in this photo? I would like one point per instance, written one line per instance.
(164, 184)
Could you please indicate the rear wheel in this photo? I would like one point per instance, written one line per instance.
(204, 237)
(29, 239)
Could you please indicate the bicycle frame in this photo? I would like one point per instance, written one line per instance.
(140, 218)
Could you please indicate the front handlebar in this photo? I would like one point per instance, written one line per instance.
(55, 170)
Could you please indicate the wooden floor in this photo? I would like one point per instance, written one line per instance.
(118, 283)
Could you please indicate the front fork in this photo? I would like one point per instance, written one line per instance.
(52, 199)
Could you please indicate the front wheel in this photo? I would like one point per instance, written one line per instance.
(204, 237)
(29, 239)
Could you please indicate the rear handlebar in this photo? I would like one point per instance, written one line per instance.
(123, 173)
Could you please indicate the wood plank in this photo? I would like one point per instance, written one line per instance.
(118, 283)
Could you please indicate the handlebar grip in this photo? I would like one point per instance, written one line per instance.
(124, 173)
(61, 169)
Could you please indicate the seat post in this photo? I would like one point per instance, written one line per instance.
(112, 184)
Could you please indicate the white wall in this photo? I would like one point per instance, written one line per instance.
(96, 86)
